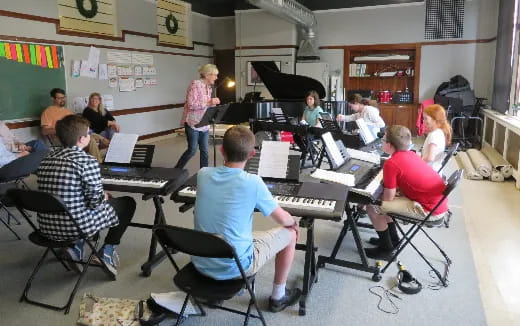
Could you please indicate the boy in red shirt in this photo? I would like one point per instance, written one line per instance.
(420, 187)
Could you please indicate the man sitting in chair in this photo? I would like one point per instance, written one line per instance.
(226, 199)
(74, 176)
(420, 186)
(58, 111)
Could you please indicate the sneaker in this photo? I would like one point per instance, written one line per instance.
(435, 224)
(110, 257)
(74, 254)
(378, 253)
(290, 298)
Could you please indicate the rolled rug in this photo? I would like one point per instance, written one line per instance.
(497, 161)
(480, 162)
(469, 170)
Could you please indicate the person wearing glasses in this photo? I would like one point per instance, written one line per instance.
(198, 99)
(411, 188)
(362, 111)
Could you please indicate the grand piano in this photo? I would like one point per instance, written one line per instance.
(287, 90)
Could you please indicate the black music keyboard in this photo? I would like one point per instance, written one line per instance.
(368, 190)
(316, 200)
(152, 180)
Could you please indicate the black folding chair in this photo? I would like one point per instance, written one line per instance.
(41, 202)
(203, 289)
(418, 225)
(452, 150)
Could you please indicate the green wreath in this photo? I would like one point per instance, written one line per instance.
(80, 4)
(170, 19)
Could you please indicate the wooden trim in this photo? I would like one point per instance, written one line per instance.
(158, 134)
(121, 38)
(263, 55)
(255, 47)
(146, 109)
(23, 124)
(46, 41)
(403, 46)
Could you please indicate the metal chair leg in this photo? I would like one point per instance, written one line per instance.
(10, 229)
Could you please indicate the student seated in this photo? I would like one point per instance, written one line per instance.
(439, 135)
(16, 146)
(101, 121)
(74, 176)
(312, 111)
(6, 156)
(226, 199)
(58, 111)
(362, 111)
(421, 189)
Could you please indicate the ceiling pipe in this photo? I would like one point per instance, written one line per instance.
(295, 12)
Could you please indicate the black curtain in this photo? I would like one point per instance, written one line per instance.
(503, 67)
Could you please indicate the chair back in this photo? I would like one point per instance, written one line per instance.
(193, 242)
(451, 151)
(37, 201)
(453, 181)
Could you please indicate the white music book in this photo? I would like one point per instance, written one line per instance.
(337, 177)
(364, 156)
(274, 159)
(365, 131)
(121, 148)
(332, 150)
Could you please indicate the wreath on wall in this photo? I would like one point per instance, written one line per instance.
(172, 24)
(80, 4)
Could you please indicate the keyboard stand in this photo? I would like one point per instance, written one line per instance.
(350, 224)
(310, 272)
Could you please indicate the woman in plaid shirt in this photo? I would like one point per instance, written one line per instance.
(198, 99)
(74, 176)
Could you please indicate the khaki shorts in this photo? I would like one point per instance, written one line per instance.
(406, 207)
(267, 244)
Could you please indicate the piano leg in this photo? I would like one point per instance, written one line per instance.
(310, 271)
(349, 224)
(153, 257)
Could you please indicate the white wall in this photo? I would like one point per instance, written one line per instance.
(174, 71)
(405, 24)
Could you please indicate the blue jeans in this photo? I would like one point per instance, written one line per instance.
(194, 137)
(108, 133)
(37, 145)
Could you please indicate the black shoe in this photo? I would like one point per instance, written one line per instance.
(378, 253)
(290, 298)
(375, 241)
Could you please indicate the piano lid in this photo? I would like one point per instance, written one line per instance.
(286, 86)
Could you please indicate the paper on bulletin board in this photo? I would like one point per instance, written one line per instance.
(103, 71)
(142, 59)
(93, 56)
(76, 66)
(125, 71)
(112, 70)
(108, 101)
(126, 84)
(79, 104)
(112, 82)
(119, 57)
(138, 71)
(87, 70)
(139, 82)
(149, 71)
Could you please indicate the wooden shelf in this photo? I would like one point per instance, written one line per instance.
(378, 77)
(385, 61)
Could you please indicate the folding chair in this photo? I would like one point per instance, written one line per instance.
(40, 202)
(417, 225)
(198, 286)
(452, 150)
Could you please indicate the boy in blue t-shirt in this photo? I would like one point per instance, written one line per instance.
(226, 199)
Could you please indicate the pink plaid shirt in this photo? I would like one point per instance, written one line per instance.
(196, 104)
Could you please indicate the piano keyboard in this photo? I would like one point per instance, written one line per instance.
(286, 202)
(134, 182)
(373, 189)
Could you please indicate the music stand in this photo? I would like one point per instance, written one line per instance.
(212, 116)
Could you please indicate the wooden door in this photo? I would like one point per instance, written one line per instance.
(387, 113)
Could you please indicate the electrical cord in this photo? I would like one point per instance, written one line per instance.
(387, 294)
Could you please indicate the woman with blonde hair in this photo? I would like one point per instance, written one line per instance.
(439, 135)
(198, 99)
(101, 121)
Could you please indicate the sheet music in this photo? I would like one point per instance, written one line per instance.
(365, 131)
(121, 148)
(277, 111)
(332, 149)
(274, 159)
(337, 177)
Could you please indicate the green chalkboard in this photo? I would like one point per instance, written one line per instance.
(24, 88)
